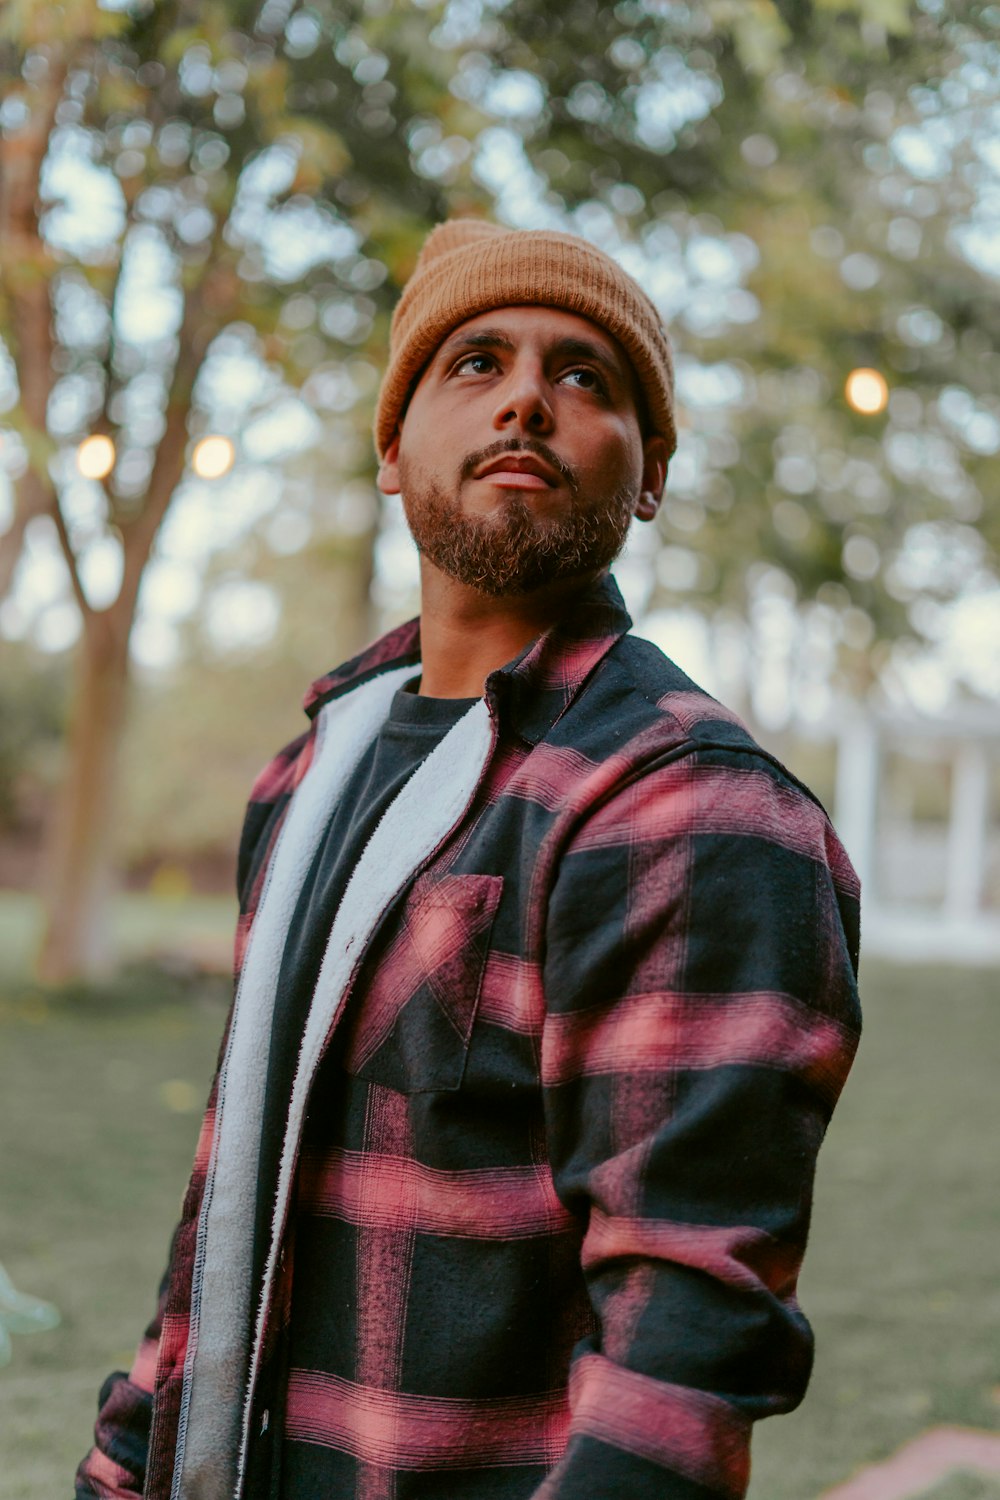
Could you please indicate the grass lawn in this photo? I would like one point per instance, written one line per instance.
(102, 1093)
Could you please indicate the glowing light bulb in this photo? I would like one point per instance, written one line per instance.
(866, 391)
(213, 457)
(95, 457)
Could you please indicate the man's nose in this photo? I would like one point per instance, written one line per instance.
(525, 401)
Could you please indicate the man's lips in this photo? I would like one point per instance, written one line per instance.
(517, 471)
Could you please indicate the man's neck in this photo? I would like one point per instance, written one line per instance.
(465, 634)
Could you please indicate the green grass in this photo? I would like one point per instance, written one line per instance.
(101, 1096)
(101, 1103)
(964, 1487)
(900, 1280)
(191, 930)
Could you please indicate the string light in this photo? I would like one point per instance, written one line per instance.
(866, 391)
(95, 457)
(213, 457)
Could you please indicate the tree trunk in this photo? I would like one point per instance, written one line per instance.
(76, 941)
(11, 547)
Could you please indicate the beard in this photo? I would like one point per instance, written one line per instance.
(514, 551)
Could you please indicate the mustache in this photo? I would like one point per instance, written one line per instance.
(520, 445)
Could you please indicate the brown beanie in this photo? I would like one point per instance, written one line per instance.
(469, 266)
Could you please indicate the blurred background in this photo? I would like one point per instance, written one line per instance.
(206, 213)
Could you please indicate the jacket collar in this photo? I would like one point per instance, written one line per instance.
(534, 689)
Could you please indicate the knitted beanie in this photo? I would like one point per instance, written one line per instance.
(469, 266)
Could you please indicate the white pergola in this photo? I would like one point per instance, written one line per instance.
(961, 928)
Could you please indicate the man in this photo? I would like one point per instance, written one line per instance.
(546, 990)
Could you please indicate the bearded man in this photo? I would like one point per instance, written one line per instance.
(546, 989)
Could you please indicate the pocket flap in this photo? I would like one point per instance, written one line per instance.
(414, 1018)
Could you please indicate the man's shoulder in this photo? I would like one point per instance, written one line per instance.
(639, 697)
(644, 710)
(664, 756)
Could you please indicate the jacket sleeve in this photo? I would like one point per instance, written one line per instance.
(115, 1467)
(702, 1015)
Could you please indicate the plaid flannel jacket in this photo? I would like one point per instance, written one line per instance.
(546, 1185)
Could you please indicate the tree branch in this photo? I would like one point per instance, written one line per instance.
(208, 303)
(156, 114)
(26, 269)
(72, 565)
(12, 545)
(139, 531)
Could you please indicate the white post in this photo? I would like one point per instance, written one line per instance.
(856, 794)
(967, 830)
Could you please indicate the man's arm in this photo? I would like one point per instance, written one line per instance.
(702, 1016)
(115, 1467)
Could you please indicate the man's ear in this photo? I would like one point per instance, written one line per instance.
(654, 477)
(388, 470)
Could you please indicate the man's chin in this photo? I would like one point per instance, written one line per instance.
(512, 552)
(516, 577)
(517, 588)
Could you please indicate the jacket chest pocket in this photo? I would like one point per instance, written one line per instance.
(412, 1018)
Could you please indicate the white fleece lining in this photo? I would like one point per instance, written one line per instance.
(216, 1364)
(424, 812)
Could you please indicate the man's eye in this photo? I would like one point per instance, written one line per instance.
(478, 364)
(588, 380)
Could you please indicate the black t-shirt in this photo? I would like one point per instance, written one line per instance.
(414, 726)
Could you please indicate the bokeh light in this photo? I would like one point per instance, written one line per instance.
(866, 391)
(95, 457)
(213, 457)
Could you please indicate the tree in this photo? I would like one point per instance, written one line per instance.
(759, 166)
(180, 102)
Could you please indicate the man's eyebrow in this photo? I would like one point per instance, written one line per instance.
(485, 338)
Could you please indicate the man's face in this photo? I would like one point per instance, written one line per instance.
(520, 459)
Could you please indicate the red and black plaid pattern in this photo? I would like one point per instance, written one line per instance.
(554, 1189)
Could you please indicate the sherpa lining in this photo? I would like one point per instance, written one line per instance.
(222, 1365)
(217, 1357)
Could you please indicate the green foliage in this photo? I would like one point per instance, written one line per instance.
(769, 133)
(852, 263)
(759, 35)
(27, 25)
(895, 15)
